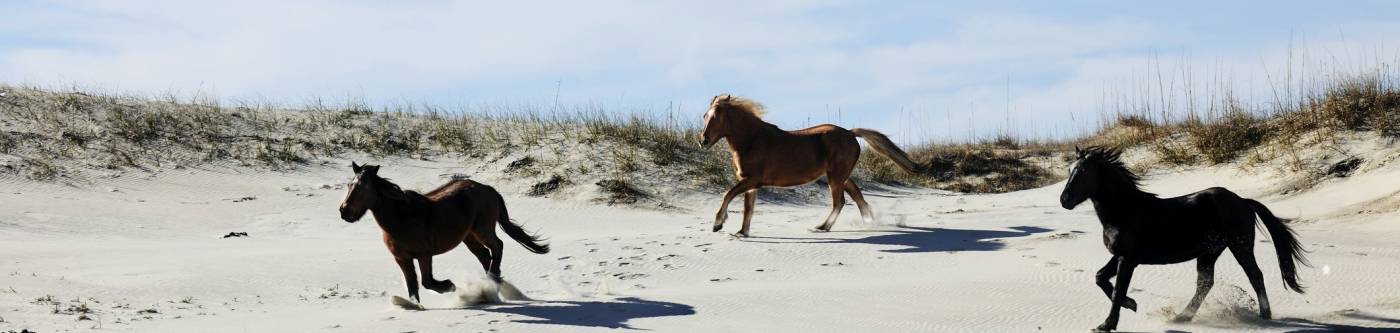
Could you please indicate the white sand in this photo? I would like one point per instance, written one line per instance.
(145, 255)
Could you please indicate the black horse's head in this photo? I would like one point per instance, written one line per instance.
(1091, 169)
(363, 192)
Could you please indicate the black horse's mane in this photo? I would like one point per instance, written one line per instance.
(1111, 159)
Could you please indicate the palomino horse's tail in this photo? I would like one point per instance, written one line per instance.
(1285, 243)
(882, 144)
(530, 242)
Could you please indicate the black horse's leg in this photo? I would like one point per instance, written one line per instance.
(442, 287)
(1205, 279)
(1107, 272)
(1244, 254)
(410, 277)
(1126, 265)
(482, 254)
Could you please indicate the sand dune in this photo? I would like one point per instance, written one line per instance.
(145, 254)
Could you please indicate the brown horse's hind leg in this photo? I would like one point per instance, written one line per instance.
(854, 192)
(482, 254)
(493, 243)
(425, 264)
(749, 198)
(410, 277)
(838, 200)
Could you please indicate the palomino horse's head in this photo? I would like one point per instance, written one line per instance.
(724, 110)
(363, 193)
(1086, 174)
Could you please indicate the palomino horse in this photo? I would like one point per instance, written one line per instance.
(420, 226)
(765, 155)
(1141, 229)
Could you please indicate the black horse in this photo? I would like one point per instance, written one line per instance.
(1141, 229)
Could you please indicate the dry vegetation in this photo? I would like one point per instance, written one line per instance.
(66, 135)
(56, 135)
(1228, 130)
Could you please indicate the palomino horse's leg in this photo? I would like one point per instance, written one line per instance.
(410, 277)
(482, 254)
(1205, 279)
(1108, 271)
(854, 192)
(1120, 292)
(425, 264)
(838, 200)
(1244, 254)
(749, 198)
(744, 185)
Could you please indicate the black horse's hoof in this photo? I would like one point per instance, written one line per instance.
(1105, 328)
(1130, 304)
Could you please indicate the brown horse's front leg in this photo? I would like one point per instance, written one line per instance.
(744, 185)
(425, 263)
(410, 277)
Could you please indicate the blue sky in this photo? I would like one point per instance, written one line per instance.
(919, 70)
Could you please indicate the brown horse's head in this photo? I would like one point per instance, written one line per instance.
(724, 111)
(363, 192)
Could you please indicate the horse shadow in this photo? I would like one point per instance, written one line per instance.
(1300, 325)
(922, 240)
(610, 314)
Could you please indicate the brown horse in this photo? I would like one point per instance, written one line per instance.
(765, 155)
(420, 226)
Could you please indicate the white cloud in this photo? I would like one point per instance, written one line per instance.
(802, 58)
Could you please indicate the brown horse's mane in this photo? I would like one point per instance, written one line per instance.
(742, 104)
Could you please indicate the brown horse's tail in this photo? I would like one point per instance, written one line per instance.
(1285, 243)
(530, 242)
(882, 144)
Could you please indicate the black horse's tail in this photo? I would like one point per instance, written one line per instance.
(530, 242)
(1285, 243)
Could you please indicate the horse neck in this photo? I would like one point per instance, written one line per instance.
(745, 129)
(1116, 204)
(391, 215)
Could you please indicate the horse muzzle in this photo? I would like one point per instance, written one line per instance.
(346, 215)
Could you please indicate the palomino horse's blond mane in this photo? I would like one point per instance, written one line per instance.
(741, 103)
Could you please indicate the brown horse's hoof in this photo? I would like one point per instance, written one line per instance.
(443, 287)
(819, 229)
(740, 234)
(718, 227)
(1182, 318)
